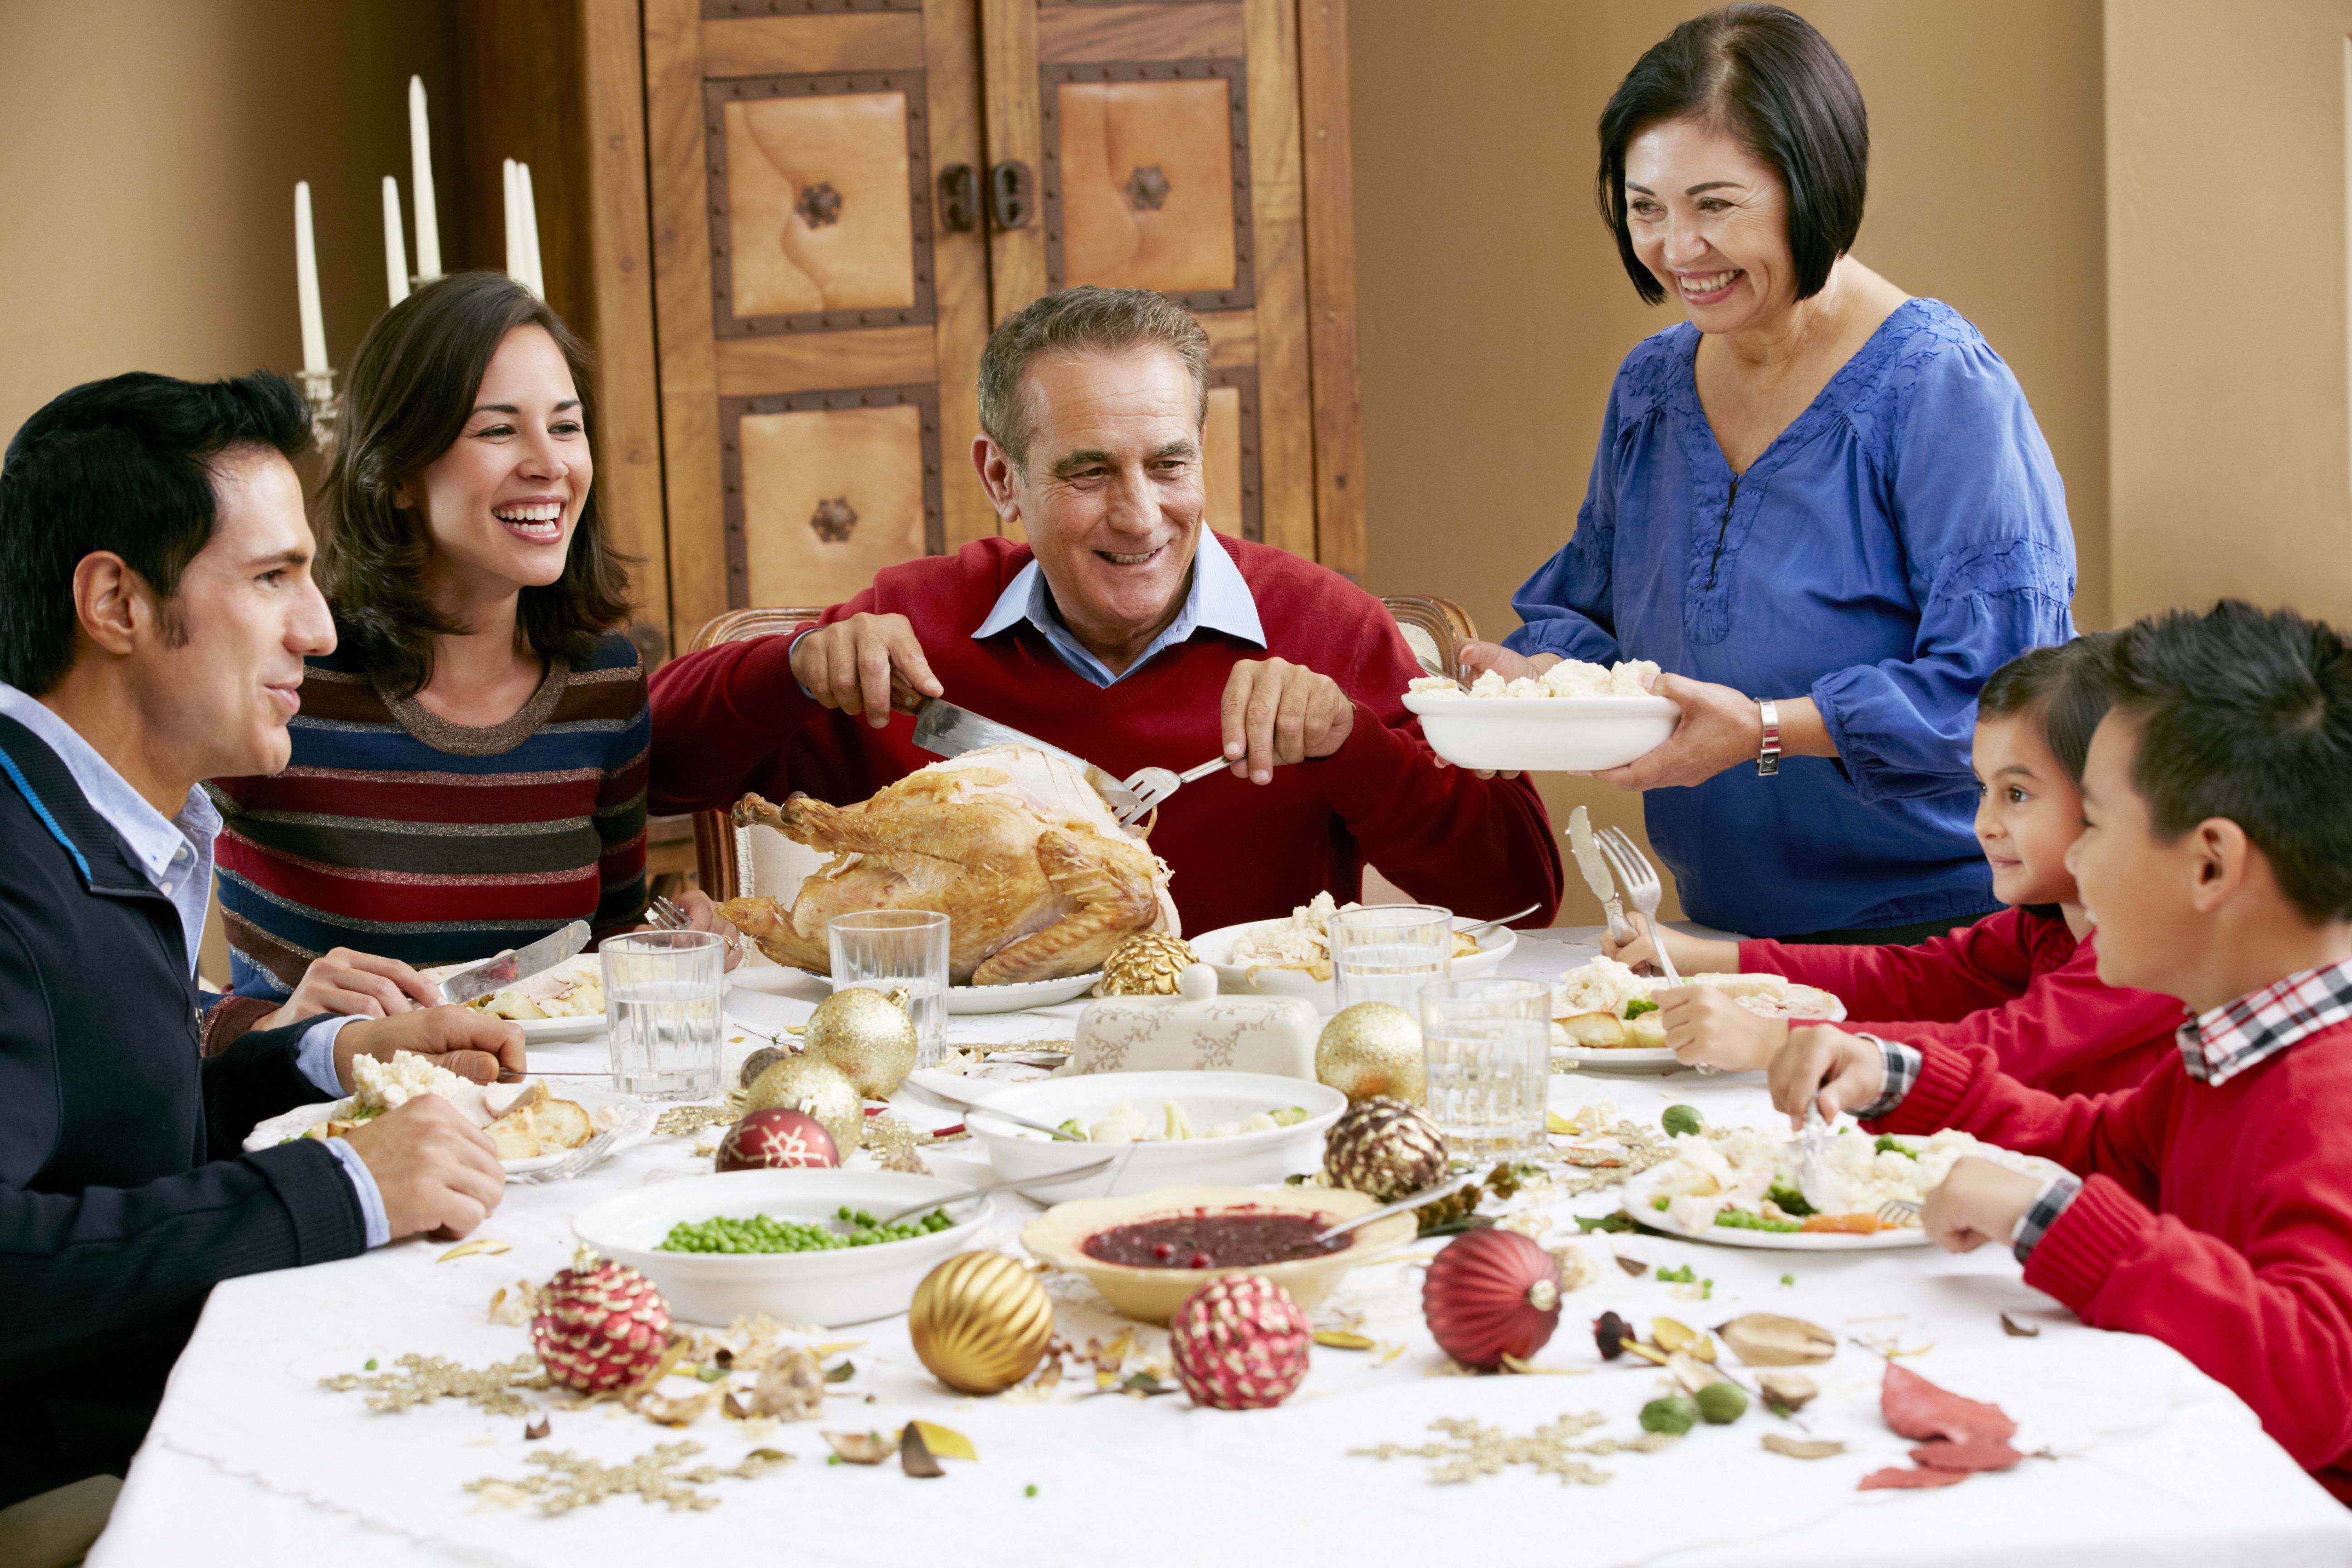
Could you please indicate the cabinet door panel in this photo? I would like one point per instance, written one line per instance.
(832, 494)
(1146, 187)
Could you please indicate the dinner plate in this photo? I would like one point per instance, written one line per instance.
(970, 1001)
(1634, 1199)
(549, 1031)
(1217, 950)
(637, 1122)
(1615, 1059)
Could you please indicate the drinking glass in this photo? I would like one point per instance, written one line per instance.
(662, 1009)
(1386, 952)
(886, 948)
(1485, 1046)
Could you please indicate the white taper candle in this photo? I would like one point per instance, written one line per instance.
(306, 282)
(537, 277)
(395, 245)
(513, 211)
(420, 173)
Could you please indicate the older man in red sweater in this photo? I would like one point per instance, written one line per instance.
(2210, 1206)
(1127, 633)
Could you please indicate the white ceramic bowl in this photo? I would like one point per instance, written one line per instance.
(1242, 1160)
(1563, 735)
(1217, 950)
(848, 1285)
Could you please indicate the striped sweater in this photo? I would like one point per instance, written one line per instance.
(395, 832)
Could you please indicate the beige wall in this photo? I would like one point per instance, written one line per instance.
(1494, 311)
(2226, 303)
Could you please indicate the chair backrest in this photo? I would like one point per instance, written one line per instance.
(1434, 628)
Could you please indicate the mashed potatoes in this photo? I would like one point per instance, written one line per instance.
(1568, 678)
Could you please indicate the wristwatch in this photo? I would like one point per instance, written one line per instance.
(1768, 756)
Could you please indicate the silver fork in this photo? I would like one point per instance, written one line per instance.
(1639, 880)
(574, 1164)
(1153, 785)
(667, 916)
(1895, 1211)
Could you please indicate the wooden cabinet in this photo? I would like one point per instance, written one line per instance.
(843, 197)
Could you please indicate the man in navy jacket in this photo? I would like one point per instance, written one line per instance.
(155, 608)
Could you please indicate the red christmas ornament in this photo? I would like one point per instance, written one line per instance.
(777, 1139)
(600, 1325)
(1489, 1294)
(1240, 1343)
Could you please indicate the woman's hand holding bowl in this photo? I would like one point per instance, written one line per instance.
(1720, 728)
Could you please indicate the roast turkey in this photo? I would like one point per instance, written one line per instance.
(1037, 878)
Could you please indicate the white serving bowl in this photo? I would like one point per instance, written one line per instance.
(846, 1285)
(1216, 948)
(1242, 1160)
(1560, 735)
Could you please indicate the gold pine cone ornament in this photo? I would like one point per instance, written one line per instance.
(981, 1321)
(804, 1083)
(1145, 964)
(867, 1035)
(1369, 1050)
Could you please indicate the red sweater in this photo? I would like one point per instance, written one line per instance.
(2216, 1219)
(732, 719)
(2015, 982)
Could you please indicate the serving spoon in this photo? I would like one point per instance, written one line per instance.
(1420, 1199)
(1049, 1179)
(961, 1103)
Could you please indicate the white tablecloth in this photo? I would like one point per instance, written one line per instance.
(251, 1462)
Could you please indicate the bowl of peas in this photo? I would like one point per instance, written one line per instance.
(803, 1246)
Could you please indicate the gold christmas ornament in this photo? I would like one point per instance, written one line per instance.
(819, 1088)
(1145, 964)
(1371, 1049)
(867, 1035)
(981, 1321)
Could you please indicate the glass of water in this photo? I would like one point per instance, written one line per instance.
(662, 1011)
(886, 950)
(1486, 1047)
(1386, 952)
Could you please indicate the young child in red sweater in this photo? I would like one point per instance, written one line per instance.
(2212, 1206)
(2023, 982)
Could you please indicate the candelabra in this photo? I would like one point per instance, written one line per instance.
(318, 392)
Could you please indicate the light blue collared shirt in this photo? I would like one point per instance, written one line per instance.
(176, 853)
(1219, 600)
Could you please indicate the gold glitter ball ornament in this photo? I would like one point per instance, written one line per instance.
(867, 1035)
(1371, 1049)
(981, 1321)
(819, 1088)
(1145, 964)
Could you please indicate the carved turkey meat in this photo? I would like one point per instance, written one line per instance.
(1037, 878)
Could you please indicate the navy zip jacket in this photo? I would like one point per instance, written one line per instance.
(123, 1196)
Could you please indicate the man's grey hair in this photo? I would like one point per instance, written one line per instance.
(1085, 319)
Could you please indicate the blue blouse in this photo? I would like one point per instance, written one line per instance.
(1892, 547)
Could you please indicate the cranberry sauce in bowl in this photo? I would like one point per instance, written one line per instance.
(1229, 1238)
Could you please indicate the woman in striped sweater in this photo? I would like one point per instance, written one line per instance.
(469, 763)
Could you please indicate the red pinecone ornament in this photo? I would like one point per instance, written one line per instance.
(600, 1325)
(1489, 1294)
(1240, 1343)
(777, 1139)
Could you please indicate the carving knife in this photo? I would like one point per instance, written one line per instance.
(514, 964)
(1596, 874)
(945, 730)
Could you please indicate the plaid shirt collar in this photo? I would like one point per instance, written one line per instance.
(2216, 1047)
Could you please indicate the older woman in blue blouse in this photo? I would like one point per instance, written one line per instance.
(1821, 505)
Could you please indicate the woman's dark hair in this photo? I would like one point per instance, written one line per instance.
(412, 388)
(2060, 687)
(2246, 715)
(125, 465)
(1763, 74)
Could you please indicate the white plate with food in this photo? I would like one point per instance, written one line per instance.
(1293, 957)
(970, 1001)
(1738, 1187)
(562, 1002)
(1603, 1016)
(534, 1123)
(849, 1283)
(1575, 717)
(1225, 1128)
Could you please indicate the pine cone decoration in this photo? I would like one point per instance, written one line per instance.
(601, 1325)
(1239, 1344)
(1145, 964)
(1383, 1147)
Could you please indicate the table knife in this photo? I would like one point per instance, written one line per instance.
(1596, 874)
(945, 730)
(515, 964)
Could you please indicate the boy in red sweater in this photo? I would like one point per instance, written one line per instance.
(2023, 982)
(2213, 1204)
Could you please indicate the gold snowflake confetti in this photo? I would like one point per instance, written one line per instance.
(1480, 1450)
(685, 1120)
(572, 1481)
(422, 1380)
